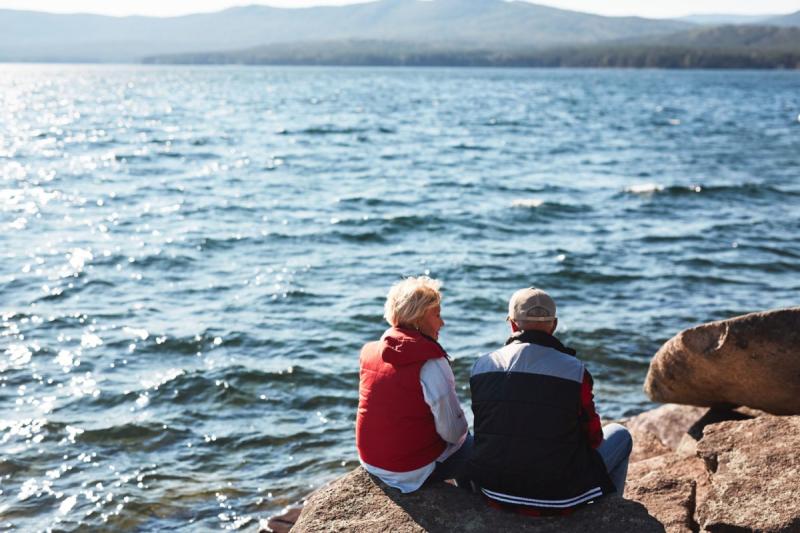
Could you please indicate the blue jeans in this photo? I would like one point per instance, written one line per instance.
(615, 451)
(455, 466)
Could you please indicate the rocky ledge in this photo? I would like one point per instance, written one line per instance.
(731, 470)
(359, 503)
(693, 470)
(721, 469)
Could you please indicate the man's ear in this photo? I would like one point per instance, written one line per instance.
(514, 326)
(555, 325)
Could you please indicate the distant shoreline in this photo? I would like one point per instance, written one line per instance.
(375, 54)
(462, 33)
(392, 66)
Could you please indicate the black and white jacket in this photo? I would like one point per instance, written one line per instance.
(530, 448)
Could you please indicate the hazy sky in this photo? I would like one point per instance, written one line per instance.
(673, 8)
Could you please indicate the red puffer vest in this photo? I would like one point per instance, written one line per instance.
(395, 429)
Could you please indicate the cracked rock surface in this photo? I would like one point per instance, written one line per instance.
(755, 475)
(743, 474)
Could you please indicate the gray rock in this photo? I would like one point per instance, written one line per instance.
(755, 475)
(751, 360)
(668, 423)
(743, 474)
(670, 500)
(646, 445)
(669, 486)
(358, 502)
(283, 522)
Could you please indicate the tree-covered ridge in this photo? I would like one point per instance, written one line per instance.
(744, 47)
(730, 36)
(34, 36)
(401, 32)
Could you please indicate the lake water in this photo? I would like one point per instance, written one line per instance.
(191, 258)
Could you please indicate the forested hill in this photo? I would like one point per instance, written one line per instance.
(401, 32)
(753, 47)
(752, 37)
(792, 19)
(33, 36)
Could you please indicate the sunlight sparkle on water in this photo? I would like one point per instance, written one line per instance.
(182, 285)
(528, 202)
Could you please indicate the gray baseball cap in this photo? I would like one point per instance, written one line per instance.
(531, 305)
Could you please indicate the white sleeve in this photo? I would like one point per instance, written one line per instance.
(439, 390)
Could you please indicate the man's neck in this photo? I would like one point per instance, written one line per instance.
(535, 336)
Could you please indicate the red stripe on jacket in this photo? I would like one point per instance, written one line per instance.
(590, 420)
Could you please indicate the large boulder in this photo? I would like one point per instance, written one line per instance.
(358, 502)
(755, 475)
(751, 360)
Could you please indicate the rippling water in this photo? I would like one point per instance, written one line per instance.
(190, 258)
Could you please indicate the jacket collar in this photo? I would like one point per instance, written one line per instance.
(403, 346)
(541, 338)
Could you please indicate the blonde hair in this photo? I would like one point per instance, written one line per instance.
(409, 299)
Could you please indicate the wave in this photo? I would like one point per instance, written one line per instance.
(590, 278)
(536, 207)
(644, 188)
(164, 262)
(198, 156)
(471, 147)
(772, 267)
(89, 286)
(536, 189)
(296, 441)
(133, 157)
(9, 466)
(527, 202)
(751, 190)
(295, 387)
(326, 401)
(154, 343)
(780, 251)
(411, 222)
(369, 202)
(703, 280)
(224, 243)
(194, 388)
(363, 237)
(507, 123)
(683, 238)
(296, 375)
(327, 130)
(15, 284)
(144, 435)
(159, 261)
(379, 230)
(215, 211)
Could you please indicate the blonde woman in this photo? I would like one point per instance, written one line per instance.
(410, 427)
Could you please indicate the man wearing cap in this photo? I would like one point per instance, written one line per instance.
(539, 446)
